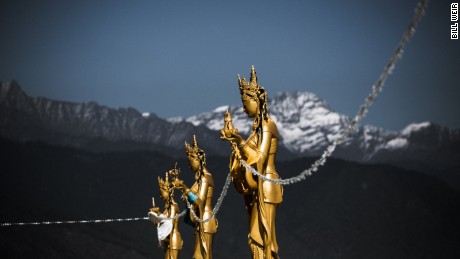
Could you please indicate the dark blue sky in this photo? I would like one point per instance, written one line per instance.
(178, 58)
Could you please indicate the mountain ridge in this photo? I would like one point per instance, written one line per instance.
(306, 123)
(84, 124)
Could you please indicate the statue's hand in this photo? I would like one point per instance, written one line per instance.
(229, 131)
(228, 135)
(179, 184)
(231, 135)
(156, 210)
(228, 122)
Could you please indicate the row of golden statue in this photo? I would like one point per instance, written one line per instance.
(261, 197)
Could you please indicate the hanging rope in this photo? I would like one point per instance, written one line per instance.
(376, 89)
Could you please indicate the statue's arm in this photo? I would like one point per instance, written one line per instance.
(264, 148)
(259, 158)
(197, 199)
(174, 209)
(203, 191)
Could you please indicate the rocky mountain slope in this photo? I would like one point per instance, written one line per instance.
(306, 123)
(93, 126)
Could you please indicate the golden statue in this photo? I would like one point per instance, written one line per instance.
(200, 198)
(168, 231)
(261, 197)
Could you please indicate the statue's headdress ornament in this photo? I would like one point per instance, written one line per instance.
(167, 183)
(174, 173)
(164, 184)
(195, 150)
(251, 88)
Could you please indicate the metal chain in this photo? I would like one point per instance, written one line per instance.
(218, 203)
(179, 215)
(71, 222)
(376, 89)
(215, 210)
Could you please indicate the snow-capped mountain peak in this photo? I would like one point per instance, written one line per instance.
(308, 125)
(415, 127)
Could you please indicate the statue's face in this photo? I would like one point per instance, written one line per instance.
(163, 194)
(194, 163)
(250, 106)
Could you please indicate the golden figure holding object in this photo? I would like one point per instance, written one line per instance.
(168, 231)
(200, 198)
(259, 150)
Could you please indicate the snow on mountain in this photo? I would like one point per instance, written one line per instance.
(308, 125)
(27, 118)
(414, 127)
(305, 122)
(215, 119)
(396, 143)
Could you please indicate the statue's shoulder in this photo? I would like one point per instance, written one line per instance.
(270, 126)
(207, 177)
(194, 187)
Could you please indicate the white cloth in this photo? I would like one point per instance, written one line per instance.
(164, 225)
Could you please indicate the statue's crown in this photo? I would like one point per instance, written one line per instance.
(193, 150)
(249, 88)
(166, 184)
(163, 184)
(174, 173)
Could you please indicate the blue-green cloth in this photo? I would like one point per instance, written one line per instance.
(191, 197)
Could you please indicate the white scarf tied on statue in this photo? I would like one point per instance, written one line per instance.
(164, 225)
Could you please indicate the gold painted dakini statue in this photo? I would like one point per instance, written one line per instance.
(261, 197)
(200, 198)
(168, 231)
